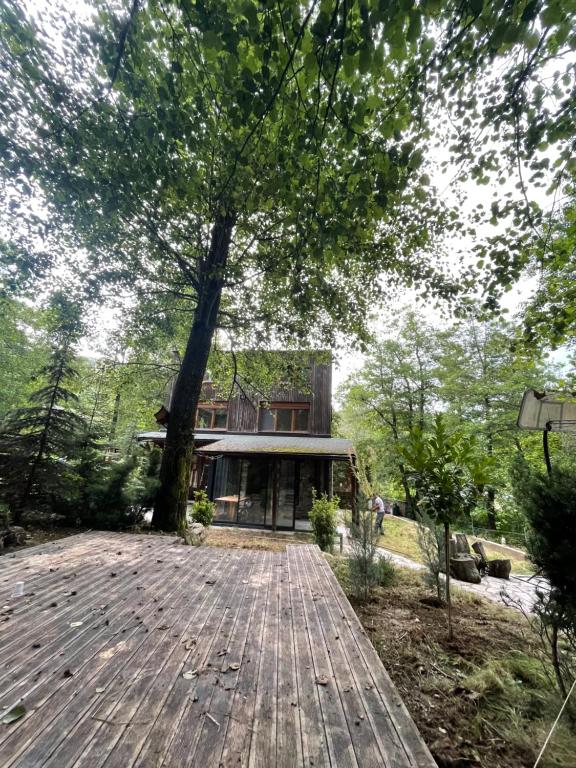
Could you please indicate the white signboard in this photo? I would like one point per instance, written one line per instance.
(554, 411)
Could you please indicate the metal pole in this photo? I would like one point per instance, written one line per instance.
(547, 449)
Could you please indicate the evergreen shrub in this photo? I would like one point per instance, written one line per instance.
(202, 509)
(324, 517)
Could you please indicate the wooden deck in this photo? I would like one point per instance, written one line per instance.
(280, 672)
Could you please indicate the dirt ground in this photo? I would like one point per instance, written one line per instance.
(239, 538)
(483, 700)
(35, 536)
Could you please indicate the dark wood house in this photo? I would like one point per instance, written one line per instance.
(260, 459)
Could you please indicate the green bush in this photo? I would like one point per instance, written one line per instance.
(366, 569)
(202, 509)
(323, 517)
(386, 573)
(107, 499)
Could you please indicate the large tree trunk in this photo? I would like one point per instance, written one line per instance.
(172, 498)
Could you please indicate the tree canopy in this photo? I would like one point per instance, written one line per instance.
(259, 167)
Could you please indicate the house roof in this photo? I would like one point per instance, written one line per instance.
(328, 447)
(144, 437)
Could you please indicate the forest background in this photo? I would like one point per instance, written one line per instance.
(239, 176)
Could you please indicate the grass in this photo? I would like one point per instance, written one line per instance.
(400, 536)
(486, 699)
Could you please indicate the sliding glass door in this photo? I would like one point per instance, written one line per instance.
(243, 494)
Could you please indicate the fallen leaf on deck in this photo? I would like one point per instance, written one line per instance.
(76, 623)
(67, 673)
(14, 714)
(234, 666)
(322, 680)
(189, 674)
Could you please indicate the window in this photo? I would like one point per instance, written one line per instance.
(212, 416)
(284, 417)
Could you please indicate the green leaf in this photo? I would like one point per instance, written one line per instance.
(310, 62)
(365, 60)
(552, 15)
(14, 714)
(212, 40)
(476, 6)
(415, 27)
(349, 66)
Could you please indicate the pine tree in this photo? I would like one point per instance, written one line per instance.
(38, 442)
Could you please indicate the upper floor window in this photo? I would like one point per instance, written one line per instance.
(284, 417)
(212, 416)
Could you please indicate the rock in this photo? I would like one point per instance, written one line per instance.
(463, 567)
(499, 568)
(14, 536)
(194, 534)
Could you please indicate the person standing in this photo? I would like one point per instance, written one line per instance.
(378, 507)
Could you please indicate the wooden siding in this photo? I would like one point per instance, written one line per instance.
(243, 411)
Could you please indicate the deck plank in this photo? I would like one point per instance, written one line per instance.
(198, 715)
(337, 729)
(211, 740)
(384, 699)
(240, 729)
(57, 702)
(289, 739)
(109, 693)
(263, 743)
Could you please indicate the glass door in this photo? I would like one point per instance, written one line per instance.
(286, 494)
(253, 494)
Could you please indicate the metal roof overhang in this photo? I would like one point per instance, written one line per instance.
(144, 437)
(317, 447)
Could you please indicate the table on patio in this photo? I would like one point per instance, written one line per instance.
(133, 650)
